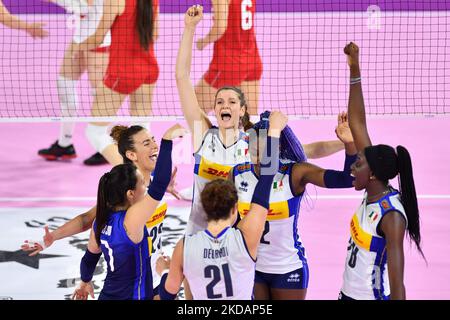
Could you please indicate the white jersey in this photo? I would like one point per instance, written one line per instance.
(86, 23)
(213, 161)
(366, 270)
(218, 267)
(154, 227)
(280, 250)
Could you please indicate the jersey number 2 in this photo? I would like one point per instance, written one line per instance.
(246, 15)
(214, 273)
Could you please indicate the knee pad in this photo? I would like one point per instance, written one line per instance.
(98, 137)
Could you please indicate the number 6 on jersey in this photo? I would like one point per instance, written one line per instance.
(246, 15)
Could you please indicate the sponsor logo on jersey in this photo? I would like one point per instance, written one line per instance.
(294, 277)
(157, 216)
(217, 173)
(243, 186)
(277, 210)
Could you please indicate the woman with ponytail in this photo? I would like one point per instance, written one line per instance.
(119, 230)
(282, 268)
(132, 69)
(375, 260)
(138, 147)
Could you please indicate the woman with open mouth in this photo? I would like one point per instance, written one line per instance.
(375, 258)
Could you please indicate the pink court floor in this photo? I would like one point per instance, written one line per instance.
(35, 192)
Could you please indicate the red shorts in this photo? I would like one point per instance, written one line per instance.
(233, 72)
(126, 82)
(100, 49)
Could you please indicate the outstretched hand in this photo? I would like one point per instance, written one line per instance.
(342, 130)
(163, 263)
(36, 30)
(84, 290)
(38, 246)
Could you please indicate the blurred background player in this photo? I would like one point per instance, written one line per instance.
(34, 29)
(75, 63)
(132, 68)
(236, 61)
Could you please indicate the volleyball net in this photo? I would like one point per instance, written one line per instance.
(404, 56)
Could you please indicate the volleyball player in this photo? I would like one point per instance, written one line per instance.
(137, 146)
(34, 29)
(119, 231)
(282, 269)
(375, 259)
(236, 60)
(219, 262)
(75, 63)
(132, 68)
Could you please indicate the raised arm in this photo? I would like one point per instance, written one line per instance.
(111, 9)
(139, 213)
(195, 117)
(252, 225)
(35, 30)
(322, 149)
(77, 225)
(304, 173)
(220, 23)
(356, 109)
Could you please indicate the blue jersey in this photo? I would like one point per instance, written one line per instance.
(129, 275)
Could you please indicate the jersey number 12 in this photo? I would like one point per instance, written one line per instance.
(246, 15)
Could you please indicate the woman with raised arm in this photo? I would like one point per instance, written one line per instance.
(236, 60)
(219, 262)
(138, 147)
(375, 259)
(282, 271)
(119, 230)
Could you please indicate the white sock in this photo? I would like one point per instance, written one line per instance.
(98, 137)
(68, 100)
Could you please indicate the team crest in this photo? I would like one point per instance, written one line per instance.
(385, 204)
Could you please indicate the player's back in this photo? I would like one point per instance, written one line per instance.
(240, 32)
(218, 267)
(129, 274)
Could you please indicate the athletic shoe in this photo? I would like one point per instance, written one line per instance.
(95, 160)
(56, 152)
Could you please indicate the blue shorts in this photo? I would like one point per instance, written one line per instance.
(156, 291)
(297, 279)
